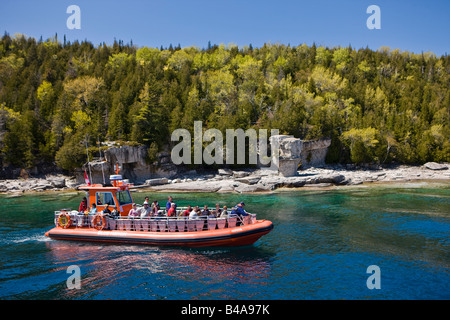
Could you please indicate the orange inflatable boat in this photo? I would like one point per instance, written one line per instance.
(201, 231)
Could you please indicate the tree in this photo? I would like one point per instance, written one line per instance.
(85, 91)
(20, 141)
(361, 143)
(46, 96)
(341, 57)
(146, 56)
(117, 60)
(118, 124)
(326, 81)
(149, 117)
(179, 59)
(323, 56)
(221, 90)
(72, 154)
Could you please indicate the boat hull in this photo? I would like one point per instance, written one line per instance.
(238, 236)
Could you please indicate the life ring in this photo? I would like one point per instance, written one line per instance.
(99, 221)
(64, 220)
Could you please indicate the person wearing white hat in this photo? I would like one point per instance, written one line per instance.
(172, 211)
(146, 210)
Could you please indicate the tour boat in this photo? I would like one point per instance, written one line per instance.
(160, 230)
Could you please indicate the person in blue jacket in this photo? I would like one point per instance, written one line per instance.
(169, 204)
(239, 210)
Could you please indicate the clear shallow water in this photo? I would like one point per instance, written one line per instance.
(320, 248)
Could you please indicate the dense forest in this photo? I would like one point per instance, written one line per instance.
(384, 106)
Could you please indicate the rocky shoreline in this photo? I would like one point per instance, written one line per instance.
(327, 176)
(250, 181)
(48, 183)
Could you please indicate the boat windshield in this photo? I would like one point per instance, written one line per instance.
(124, 197)
(105, 198)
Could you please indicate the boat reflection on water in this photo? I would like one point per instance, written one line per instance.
(159, 273)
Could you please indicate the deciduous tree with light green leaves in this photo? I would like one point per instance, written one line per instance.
(362, 143)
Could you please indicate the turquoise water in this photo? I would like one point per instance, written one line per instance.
(321, 246)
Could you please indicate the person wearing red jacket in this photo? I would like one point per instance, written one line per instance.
(172, 211)
(83, 205)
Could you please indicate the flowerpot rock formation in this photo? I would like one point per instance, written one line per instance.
(293, 151)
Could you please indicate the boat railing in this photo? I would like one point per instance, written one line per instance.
(154, 224)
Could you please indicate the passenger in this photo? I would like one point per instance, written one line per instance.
(145, 211)
(197, 210)
(85, 215)
(106, 210)
(193, 214)
(93, 209)
(155, 208)
(169, 204)
(212, 214)
(205, 211)
(224, 213)
(133, 212)
(239, 210)
(217, 211)
(172, 211)
(83, 205)
(186, 212)
(115, 214)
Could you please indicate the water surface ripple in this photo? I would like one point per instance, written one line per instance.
(320, 248)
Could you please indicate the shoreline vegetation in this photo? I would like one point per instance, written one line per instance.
(59, 97)
(252, 181)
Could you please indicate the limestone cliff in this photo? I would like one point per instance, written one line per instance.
(133, 162)
(135, 166)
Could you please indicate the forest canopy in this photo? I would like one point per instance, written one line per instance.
(383, 106)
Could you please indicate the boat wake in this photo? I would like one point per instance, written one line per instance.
(14, 239)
